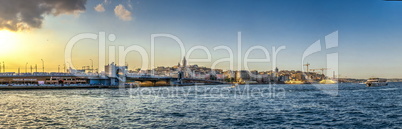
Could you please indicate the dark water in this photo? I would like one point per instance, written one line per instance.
(255, 106)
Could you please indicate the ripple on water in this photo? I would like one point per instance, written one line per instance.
(303, 107)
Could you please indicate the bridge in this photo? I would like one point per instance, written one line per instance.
(74, 78)
(113, 76)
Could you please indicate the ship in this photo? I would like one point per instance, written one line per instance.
(295, 82)
(376, 82)
(327, 81)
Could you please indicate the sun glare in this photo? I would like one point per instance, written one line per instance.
(8, 42)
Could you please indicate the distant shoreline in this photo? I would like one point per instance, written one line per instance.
(51, 87)
(107, 87)
(82, 87)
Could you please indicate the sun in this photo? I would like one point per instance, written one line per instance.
(8, 42)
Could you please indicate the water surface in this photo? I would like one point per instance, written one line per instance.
(220, 106)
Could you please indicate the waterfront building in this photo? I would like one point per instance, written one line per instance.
(243, 76)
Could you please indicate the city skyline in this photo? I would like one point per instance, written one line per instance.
(368, 31)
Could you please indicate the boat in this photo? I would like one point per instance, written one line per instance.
(294, 82)
(376, 82)
(327, 81)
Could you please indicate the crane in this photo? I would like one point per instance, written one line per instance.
(322, 71)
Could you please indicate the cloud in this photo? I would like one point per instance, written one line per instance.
(99, 8)
(122, 13)
(16, 15)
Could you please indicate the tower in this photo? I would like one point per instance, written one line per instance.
(276, 75)
(184, 62)
(307, 66)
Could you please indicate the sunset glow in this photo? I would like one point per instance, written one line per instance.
(201, 64)
(9, 42)
(47, 32)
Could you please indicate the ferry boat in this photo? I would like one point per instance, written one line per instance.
(376, 82)
(294, 82)
(327, 81)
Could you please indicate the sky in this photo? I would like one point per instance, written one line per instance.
(369, 33)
